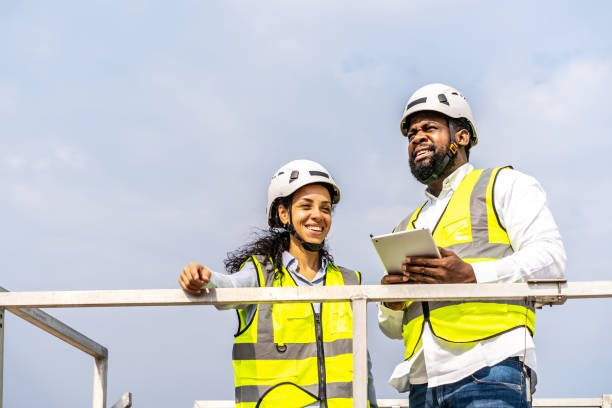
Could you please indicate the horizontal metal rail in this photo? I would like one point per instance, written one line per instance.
(60, 330)
(603, 402)
(66, 333)
(541, 292)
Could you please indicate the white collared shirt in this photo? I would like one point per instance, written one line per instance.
(521, 205)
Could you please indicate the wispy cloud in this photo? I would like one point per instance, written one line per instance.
(58, 157)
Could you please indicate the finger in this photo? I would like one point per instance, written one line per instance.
(446, 252)
(183, 281)
(193, 291)
(194, 269)
(196, 285)
(423, 270)
(421, 278)
(204, 274)
(189, 287)
(186, 279)
(394, 279)
(418, 260)
(190, 273)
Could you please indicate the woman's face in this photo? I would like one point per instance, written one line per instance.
(311, 209)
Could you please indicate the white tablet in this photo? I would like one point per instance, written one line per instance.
(394, 248)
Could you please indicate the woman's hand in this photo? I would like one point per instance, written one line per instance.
(193, 278)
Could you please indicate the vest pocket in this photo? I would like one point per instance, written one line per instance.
(456, 231)
(293, 323)
(340, 323)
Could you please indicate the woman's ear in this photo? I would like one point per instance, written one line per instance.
(462, 137)
(283, 214)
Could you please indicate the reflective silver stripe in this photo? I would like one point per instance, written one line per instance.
(340, 390)
(252, 393)
(338, 347)
(402, 225)
(481, 250)
(478, 204)
(270, 351)
(289, 351)
(412, 312)
(480, 247)
(265, 329)
(349, 276)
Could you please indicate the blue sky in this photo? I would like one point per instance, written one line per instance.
(141, 135)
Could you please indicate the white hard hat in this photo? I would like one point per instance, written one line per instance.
(291, 177)
(439, 98)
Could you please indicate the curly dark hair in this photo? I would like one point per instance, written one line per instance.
(271, 243)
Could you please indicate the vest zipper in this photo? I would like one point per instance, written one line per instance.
(320, 358)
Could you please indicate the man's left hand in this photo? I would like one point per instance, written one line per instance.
(448, 269)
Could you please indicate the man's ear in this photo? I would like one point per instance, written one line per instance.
(462, 137)
(283, 214)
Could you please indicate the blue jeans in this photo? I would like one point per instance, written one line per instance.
(500, 386)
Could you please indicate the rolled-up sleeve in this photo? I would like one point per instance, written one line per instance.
(523, 211)
(390, 321)
(244, 278)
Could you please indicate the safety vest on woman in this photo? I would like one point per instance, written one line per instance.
(290, 356)
(470, 227)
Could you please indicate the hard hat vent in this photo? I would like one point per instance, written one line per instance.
(318, 173)
(416, 102)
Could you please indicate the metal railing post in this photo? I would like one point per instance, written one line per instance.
(1, 352)
(99, 382)
(360, 351)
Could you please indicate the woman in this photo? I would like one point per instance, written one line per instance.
(290, 354)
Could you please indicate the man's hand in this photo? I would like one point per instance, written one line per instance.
(394, 278)
(448, 269)
(193, 278)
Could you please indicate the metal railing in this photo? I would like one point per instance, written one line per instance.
(540, 292)
(66, 333)
(603, 402)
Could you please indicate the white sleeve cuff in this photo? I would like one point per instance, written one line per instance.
(385, 312)
(485, 272)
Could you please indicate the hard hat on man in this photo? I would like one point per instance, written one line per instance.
(439, 98)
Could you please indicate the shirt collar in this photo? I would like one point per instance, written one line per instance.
(291, 263)
(451, 182)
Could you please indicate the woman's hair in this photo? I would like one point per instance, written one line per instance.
(270, 243)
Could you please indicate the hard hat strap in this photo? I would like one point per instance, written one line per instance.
(449, 158)
(308, 246)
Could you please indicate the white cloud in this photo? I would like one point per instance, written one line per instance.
(15, 161)
(50, 158)
(69, 156)
(580, 87)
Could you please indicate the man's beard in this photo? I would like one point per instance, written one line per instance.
(423, 170)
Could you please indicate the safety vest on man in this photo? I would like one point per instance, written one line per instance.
(290, 356)
(470, 227)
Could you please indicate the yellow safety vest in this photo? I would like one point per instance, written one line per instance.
(470, 227)
(289, 356)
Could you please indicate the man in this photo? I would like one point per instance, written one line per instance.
(492, 226)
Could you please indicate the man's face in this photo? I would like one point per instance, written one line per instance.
(428, 142)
